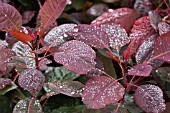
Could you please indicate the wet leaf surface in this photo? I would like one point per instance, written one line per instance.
(4, 82)
(31, 80)
(76, 56)
(66, 87)
(101, 91)
(150, 98)
(163, 27)
(22, 106)
(141, 70)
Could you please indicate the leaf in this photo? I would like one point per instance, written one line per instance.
(27, 16)
(10, 39)
(92, 35)
(97, 9)
(117, 36)
(8, 88)
(66, 87)
(141, 70)
(69, 109)
(21, 36)
(150, 98)
(163, 27)
(53, 74)
(101, 91)
(142, 29)
(123, 16)
(5, 58)
(3, 44)
(155, 19)
(6, 104)
(31, 80)
(162, 48)
(22, 106)
(76, 56)
(4, 82)
(58, 35)
(145, 49)
(43, 64)
(24, 53)
(51, 10)
(10, 19)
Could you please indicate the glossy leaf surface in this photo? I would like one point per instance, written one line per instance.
(58, 35)
(123, 16)
(22, 106)
(51, 10)
(66, 87)
(163, 27)
(31, 80)
(10, 19)
(21, 36)
(76, 56)
(4, 82)
(141, 70)
(150, 98)
(101, 91)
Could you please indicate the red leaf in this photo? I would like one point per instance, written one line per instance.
(5, 57)
(101, 91)
(92, 35)
(4, 82)
(123, 16)
(10, 19)
(76, 56)
(141, 70)
(162, 48)
(3, 44)
(163, 28)
(51, 10)
(150, 98)
(21, 36)
(31, 80)
(142, 29)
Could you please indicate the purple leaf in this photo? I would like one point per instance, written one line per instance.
(31, 80)
(10, 19)
(10, 39)
(3, 44)
(142, 29)
(76, 56)
(162, 48)
(43, 64)
(163, 27)
(145, 49)
(117, 36)
(141, 70)
(27, 16)
(5, 57)
(155, 19)
(4, 82)
(51, 10)
(123, 16)
(101, 91)
(92, 35)
(58, 35)
(66, 87)
(150, 98)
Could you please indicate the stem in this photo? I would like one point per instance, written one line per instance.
(128, 89)
(29, 104)
(39, 3)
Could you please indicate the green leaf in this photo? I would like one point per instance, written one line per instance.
(8, 88)
(131, 105)
(6, 104)
(72, 109)
(79, 4)
(22, 106)
(53, 74)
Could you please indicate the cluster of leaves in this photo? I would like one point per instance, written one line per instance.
(87, 51)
